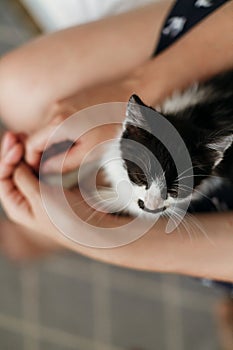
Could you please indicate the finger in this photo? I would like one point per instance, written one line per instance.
(36, 143)
(13, 201)
(8, 140)
(16, 205)
(7, 187)
(8, 163)
(6, 171)
(14, 155)
(64, 162)
(26, 182)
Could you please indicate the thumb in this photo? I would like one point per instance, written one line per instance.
(36, 143)
(26, 182)
(63, 162)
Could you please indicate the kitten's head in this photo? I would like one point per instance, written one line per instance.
(150, 167)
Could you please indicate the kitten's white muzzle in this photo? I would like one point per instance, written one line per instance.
(153, 198)
(153, 203)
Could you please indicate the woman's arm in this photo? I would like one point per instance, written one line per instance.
(208, 254)
(204, 250)
(36, 76)
(204, 51)
(200, 256)
(156, 251)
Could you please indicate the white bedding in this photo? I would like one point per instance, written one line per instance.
(56, 14)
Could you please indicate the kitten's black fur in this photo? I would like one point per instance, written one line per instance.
(205, 126)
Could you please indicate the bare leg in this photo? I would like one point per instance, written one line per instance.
(34, 77)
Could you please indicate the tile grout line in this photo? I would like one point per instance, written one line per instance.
(52, 335)
(172, 315)
(30, 307)
(101, 301)
(150, 290)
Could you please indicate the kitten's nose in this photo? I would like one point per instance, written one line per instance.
(141, 204)
(151, 206)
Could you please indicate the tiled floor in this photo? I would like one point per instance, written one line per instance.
(69, 302)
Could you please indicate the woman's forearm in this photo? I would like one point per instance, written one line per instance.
(204, 51)
(206, 250)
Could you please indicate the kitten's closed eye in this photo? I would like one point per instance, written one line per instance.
(164, 193)
(173, 194)
(137, 175)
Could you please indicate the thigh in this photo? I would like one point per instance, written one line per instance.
(58, 65)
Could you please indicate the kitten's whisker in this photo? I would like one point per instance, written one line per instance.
(184, 215)
(114, 217)
(96, 197)
(82, 200)
(91, 216)
(188, 222)
(189, 229)
(198, 225)
(79, 204)
(173, 215)
(186, 187)
(104, 207)
(220, 132)
(88, 210)
(105, 188)
(192, 167)
(143, 162)
(183, 223)
(95, 212)
(101, 217)
(197, 175)
(174, 221)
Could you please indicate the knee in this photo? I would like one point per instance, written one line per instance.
(20, 99)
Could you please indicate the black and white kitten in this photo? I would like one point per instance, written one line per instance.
(203, 116)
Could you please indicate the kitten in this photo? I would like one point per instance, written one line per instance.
(203, 117)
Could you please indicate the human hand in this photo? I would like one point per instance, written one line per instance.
(114, 91)
(20, 193)
(37, 143)
(12, 173)
(12, 151)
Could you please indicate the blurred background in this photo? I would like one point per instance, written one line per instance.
(65, 301)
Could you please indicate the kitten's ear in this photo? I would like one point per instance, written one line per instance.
(220, 146)
(136, 113)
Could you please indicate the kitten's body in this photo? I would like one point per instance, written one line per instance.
(203, 116)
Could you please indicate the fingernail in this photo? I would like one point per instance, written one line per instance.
(8, 156)
(6, 143)
(13, 155)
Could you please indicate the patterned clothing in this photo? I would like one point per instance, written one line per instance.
(184, 15)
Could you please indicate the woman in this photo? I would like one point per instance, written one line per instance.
(53, 76)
